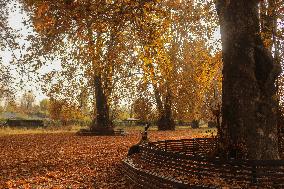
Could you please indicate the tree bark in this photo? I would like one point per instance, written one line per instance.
(101, 122)
(249, 104)
(165, 120)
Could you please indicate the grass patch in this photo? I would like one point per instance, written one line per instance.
(74, 128)
(155, 128)
(39, 130)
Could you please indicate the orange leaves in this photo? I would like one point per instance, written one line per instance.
(43, 20)
(42, 9)
(20, 182)
(64, 111)
(9, 184)
(44, 23)
(66, 160)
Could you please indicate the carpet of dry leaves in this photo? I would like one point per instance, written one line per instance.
(65, 160)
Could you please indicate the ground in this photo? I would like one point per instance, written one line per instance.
(64, 160)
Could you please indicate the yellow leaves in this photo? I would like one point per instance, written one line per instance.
(154, 54)
(196, 79)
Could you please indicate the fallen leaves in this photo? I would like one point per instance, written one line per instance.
(68, 161)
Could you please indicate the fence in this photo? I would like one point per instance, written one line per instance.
(151, 180)
(190, 157)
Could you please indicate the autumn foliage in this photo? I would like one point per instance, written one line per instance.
(67, 160)
(63, 111)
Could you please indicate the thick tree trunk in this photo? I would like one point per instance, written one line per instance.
(249, 103)
(101, 122)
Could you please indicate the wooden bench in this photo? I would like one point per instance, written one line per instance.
(120, 132)
(171, 160)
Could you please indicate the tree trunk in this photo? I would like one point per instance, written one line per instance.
(165, 120)
(249, 103)
(101, 122)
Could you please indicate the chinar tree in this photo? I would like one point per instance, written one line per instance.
(249, 102)
(164, 28)
(153, 23)
(86, 36)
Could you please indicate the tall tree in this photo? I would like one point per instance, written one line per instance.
(248, 94)
(271, 19)
(197, 80)
(99, 37)
(153, 23)
(91, 30)
(43, 107)
(164, 27)
(5, 81)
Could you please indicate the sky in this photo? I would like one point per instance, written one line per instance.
(15, 20)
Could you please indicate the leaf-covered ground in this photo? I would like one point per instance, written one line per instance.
(65, 160)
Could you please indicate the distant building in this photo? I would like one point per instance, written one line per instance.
(128, 122)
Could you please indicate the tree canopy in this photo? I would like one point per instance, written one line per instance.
(162, 58)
